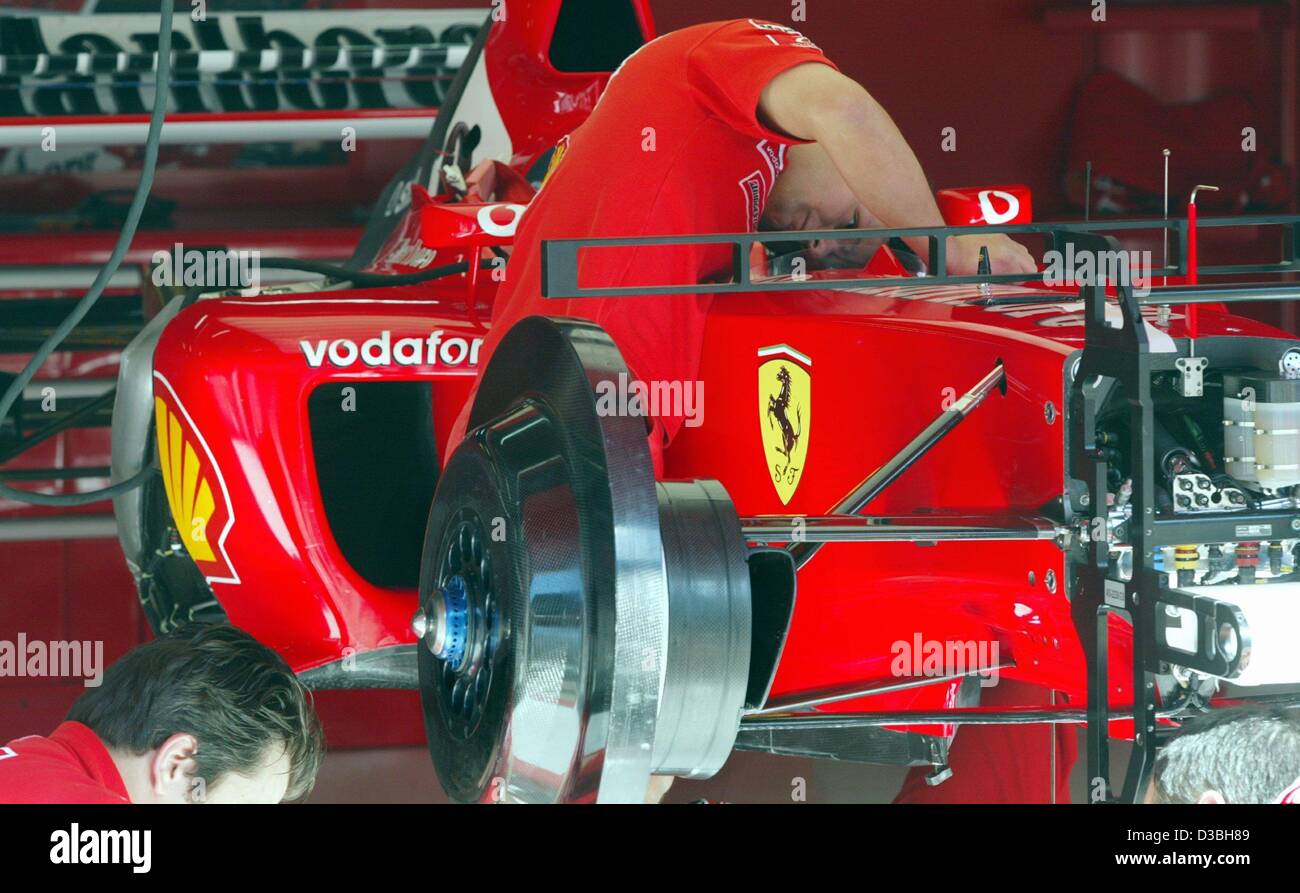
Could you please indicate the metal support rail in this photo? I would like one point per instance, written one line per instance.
(763, 529)
(560, 257)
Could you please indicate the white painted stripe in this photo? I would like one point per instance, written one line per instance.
(457, 55)
(324, 302)
(190, 132)
(67, 276)
(213, 61)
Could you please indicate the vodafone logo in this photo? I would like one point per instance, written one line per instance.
(993, 216)
(500, 220)
(382, 351)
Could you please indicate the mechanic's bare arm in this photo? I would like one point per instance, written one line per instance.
(815, 102)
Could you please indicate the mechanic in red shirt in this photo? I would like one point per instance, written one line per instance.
(1244, 754)
(204, 714)
(704, 130)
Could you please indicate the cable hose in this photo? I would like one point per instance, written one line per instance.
(134, 211)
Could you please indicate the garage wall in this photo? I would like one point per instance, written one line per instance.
(1004, 74)
(982, 68)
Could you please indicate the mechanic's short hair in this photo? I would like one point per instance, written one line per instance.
(1248, 754)
(236, 696)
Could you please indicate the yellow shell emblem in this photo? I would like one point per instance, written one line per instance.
(184, 478)
(556, 157)
(196, 491)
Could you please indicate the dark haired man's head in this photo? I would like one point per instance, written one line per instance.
(1233, 755)
(205, 713)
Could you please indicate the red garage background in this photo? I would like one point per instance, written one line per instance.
(1005, 75)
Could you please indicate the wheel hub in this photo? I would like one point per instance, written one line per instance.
(444, 624)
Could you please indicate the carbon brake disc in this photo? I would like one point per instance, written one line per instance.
(571, 648)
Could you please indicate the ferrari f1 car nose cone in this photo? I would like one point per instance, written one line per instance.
(606, 618)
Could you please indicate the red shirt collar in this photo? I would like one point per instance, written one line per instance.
(93, 755)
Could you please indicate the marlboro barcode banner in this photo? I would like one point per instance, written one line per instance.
(296, 61)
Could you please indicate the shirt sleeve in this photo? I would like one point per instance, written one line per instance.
(728, 70)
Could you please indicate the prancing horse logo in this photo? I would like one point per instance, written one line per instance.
(784, 395)
(778, 408)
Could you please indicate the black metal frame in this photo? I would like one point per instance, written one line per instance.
(560, 258)
(1111, 356)
(1122, 357)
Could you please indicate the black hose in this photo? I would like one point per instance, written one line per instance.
(134, 211)
(361, 280)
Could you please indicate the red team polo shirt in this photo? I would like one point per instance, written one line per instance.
(70, 766)
(674, 146)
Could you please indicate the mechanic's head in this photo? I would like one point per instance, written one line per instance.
(1233, 755)
(810, 194)
(205, 714)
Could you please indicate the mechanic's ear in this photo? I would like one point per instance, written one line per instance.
(1211, 797)
(173, 768)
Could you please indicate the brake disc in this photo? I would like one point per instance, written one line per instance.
(560, 628)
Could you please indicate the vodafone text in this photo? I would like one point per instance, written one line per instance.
(382, 350)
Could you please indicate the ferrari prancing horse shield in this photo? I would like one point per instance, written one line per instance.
(784, 414)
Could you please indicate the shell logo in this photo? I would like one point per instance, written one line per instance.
(196, 493)
(556, 157)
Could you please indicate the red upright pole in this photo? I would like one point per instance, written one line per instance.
(1189, 310)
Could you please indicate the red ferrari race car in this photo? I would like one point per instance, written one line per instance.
(1089, 487)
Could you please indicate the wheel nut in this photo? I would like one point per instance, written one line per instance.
(420, 624)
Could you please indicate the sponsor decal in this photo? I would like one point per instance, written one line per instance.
(500, 220)
(400, 198)
(196, 491)
(784, 414)
(991, 214)
(410, 251)
(771, 28)
(311, 61)
(561, 149)
(775, 158)
(383, 350)
(755, 191)
(1053, 312)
